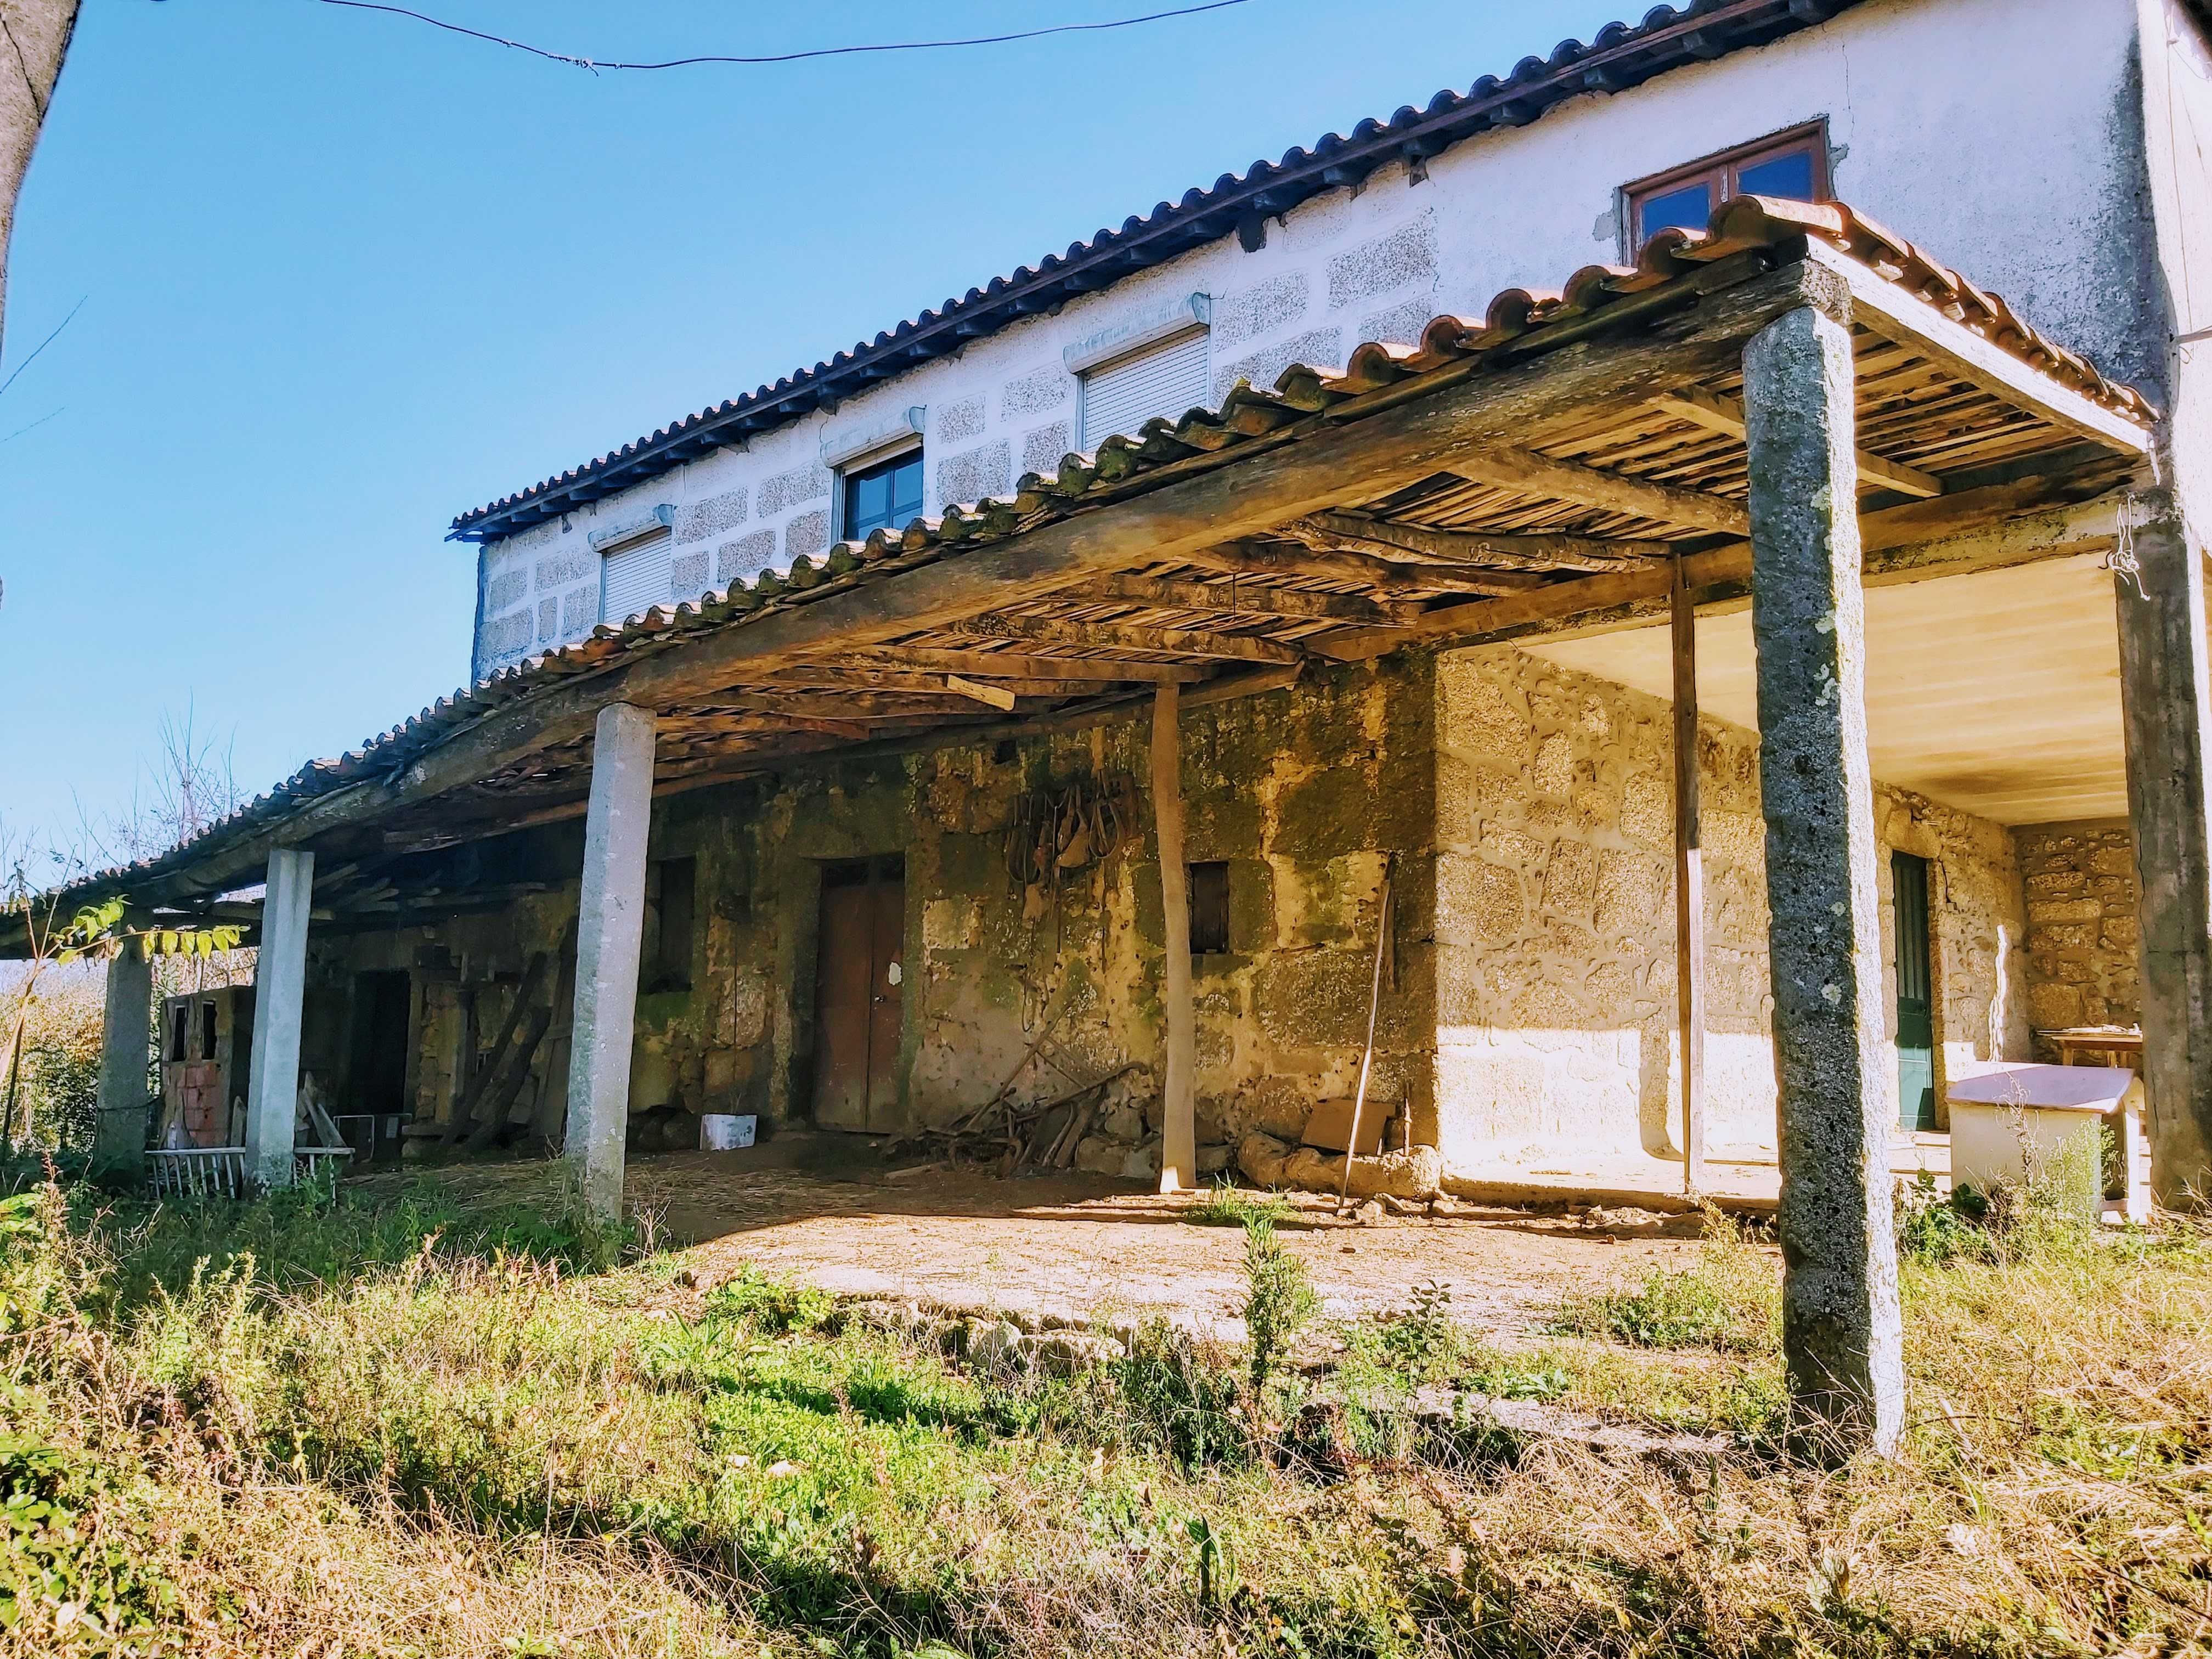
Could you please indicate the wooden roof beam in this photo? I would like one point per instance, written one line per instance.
(932, 687)
(1228, 648)
(1725, 416)
(1231, 598)
(992, 664)
(1888, 310)
(1406, 581)
(1992, 528)
(1385, 538)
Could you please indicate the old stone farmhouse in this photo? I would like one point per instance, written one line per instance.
(1744, 673)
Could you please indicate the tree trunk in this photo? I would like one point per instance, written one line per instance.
(34, 37)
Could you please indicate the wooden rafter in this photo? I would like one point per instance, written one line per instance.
(1525, 471)
(1908, 542)
(1725, 416)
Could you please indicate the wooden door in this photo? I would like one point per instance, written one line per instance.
(858, 996)
(1916, 1004)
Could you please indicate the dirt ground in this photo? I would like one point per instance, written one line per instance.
(1086, 1247)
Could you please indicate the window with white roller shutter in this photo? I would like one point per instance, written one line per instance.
(634, 575)
(1168, 379)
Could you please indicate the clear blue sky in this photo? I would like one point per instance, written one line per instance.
(344, 276)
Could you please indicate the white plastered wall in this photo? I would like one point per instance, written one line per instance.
(1555, 924)
(2003, 135)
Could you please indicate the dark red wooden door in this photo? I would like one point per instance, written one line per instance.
(858, 997)
(886, 999)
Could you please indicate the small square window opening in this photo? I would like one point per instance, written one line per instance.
(1792, 165)
(885, 496)
(1209, 909)
(671, 906)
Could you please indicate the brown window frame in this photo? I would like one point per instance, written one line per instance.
(1723, 167)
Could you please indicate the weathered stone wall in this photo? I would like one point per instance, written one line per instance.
(1303, 793)
(1555, 932)
(2081, 923)
(1528, 810)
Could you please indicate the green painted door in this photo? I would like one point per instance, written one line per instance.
(1916, 1007)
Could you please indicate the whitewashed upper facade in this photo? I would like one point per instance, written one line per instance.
(2050, 148)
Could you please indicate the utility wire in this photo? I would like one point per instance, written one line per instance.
(42, 345)
(595, 66)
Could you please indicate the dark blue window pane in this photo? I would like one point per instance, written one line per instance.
(1788, 176)
(885, 496)
(1686, 209)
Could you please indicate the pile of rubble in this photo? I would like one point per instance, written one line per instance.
(1106, 1125)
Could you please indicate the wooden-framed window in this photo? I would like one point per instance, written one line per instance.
(1793, 165)
(885, 496)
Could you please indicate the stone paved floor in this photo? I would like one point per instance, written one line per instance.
(1085, 1247)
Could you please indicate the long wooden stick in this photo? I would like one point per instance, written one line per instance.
(1178, 1078)
(1689, 887)
(465, 1110)
(1374, 1006)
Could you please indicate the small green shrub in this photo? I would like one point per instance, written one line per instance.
(1278, 1299)
(1730, 1301)
(1226, 1205)
(51, 1555)
(1933, 1227)
(1423, 1340)
(770, 1305)
(1183, 1399)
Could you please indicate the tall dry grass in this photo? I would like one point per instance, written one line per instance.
(407, 1430)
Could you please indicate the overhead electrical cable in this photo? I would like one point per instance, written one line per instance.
(596, 64)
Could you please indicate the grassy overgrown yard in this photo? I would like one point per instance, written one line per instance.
(308, 1427)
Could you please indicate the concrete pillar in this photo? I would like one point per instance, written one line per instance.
(119, 1142)
(1842, 1337)
(280, 983)
(610, 934)
(2164, 680)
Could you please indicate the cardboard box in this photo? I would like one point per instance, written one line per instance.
(1330, 1129)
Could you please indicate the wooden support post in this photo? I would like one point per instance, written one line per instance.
(1689, 889)
(1842, 1337)
(1178, 1080)
(2164, 672)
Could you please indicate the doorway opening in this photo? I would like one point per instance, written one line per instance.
(1915, 995)
(858, 995)
(376, 1107)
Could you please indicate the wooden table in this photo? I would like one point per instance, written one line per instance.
(2097, 1045)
